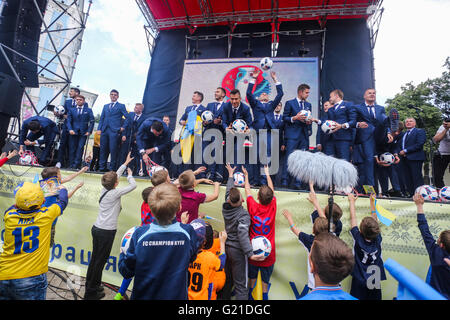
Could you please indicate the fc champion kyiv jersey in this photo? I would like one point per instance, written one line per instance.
(26, 246)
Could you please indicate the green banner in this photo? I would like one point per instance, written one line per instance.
(73, 241)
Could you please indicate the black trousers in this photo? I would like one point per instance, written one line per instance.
(95, 159)
(102, 241)
(440, 164)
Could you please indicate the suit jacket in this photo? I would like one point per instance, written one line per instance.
(344, 113)
(377, 127)
(47, 128)
(242, 113)
(132, 126)
(112, 118)
(80, 123)
(321, 137)
(272, 123)
(218, 113)
(413, 144)
(261, 109)
(188, 109)
(294, 130)
(146, 139)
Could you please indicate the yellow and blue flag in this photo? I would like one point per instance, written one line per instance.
(385, 216)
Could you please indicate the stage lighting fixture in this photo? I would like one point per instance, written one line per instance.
(303, 51)
(248, 52)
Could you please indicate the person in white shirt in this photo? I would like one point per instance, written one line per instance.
(441, 158)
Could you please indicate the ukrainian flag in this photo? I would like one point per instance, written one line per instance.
(385, 216)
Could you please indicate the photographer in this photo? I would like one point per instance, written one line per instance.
(441, 157)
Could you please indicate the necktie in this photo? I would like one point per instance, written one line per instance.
(110, 106)
(234, 113)
(372, 112)
(73, 103)
(301, 105)
(277, 117)
(136, 118)
(406, 137)
(79, 111)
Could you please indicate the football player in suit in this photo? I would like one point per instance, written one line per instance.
(261, 106)
(297, 128)
(153, 139)
(344, 114)
(275, 122)
(80, 123)
(110, 127)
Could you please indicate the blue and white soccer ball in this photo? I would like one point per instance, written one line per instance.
(328, 126)
(387, 158)
(239, 179)
(306, 113)
(261, 244)
(428, 192)
(125, 243)
(444, 194)
(266, 63)
(207, 116)
(239, 125)
(60, 110)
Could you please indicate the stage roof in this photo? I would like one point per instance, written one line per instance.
(175, 14)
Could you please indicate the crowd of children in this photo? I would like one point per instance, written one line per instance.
(176, 254)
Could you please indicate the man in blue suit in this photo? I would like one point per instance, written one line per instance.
(153, 139)
(322, 139)
(411, 154)
(233, 110)
(38, 127)
(372, 132)
(344, 114)
(275, 122)
(215, 170)
(80, 123)
(110, 127)
(297, 128)
(131, 126)
(167, 154)
(261, 106)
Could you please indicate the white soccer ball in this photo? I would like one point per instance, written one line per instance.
(328, 126)
(239, 125)
(125, 243)
(428, 192)
(25, 160)
(60, 110)
(266, 63)
(444, 194)
(260, 245)
(239, 179)
(387, 158)
(155, 169)
(207, 116)
(306, 113)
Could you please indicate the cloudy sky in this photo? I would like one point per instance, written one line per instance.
(412, 45)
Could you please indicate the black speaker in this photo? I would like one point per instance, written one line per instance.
(11, 92)
(20, 30)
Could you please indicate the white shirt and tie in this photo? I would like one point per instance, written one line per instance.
(337, 106)
(408, 132)
(301, 104)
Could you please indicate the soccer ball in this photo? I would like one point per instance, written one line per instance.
(25, 160)
(266, 63)
(261, 244)
(387, 158)
(125, 243)
(428, 192)
(60, 110)
(207, 116)
(239, 125)
(154, 169)
(239, 179)
(306, 113)
(328, 126)
(444, 194)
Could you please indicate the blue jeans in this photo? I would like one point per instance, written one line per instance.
(31, 288)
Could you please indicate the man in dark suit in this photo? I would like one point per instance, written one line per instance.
(372, 132)
(110, 127)
(322, 139)
(344, 114)
(297, 127)
(275, 122)
(167, 154)
(131, 126)
(261, 106)
(80, 123)
(411, 154)
(215, 170)
(38, 127)
(153, 139)
(233, 110)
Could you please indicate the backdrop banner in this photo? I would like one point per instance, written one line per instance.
(73, 241)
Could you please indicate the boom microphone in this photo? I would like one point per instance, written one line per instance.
(325, 171)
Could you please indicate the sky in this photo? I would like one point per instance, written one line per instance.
(411, 46)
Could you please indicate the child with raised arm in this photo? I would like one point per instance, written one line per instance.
(4, 158)
(369, 268)
(105, 227)
(336, 226)
(438, 251)
(238, 247)
(262, 214)
(320, 225)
